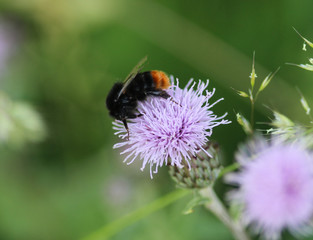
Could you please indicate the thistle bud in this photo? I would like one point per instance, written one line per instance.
(202, 171)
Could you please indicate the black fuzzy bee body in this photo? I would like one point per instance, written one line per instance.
(123, 98)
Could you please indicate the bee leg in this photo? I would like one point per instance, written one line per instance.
(125, 122)
(163, 94)
(159, 93)
(133, 115)
(126, 127)
(172, 100)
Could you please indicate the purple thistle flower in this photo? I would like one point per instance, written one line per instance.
(275, 187)
(170, 130)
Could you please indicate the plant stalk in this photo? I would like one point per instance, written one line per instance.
(216, 206)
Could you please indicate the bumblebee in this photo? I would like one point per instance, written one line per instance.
(123, 98)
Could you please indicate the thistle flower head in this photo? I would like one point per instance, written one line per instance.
(275, 187)
(170, 130)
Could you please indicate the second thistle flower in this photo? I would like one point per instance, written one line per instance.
(275, 186)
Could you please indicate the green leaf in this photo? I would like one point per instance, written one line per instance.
(281, 121)
(246, 126)
(229, 168)
(306, 40)
(196, 201)
(267, 80)
(308, 67)
(305, 105)
(235, 211)
(253, 75)
(242, 93)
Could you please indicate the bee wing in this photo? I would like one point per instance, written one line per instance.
(132, 75)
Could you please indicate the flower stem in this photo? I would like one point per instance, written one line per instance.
(114, 227)
(216, 206)
(229, 168)
(252, 115)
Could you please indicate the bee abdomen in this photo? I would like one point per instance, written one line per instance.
(160, 79)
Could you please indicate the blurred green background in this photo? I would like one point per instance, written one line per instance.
(63, 56)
